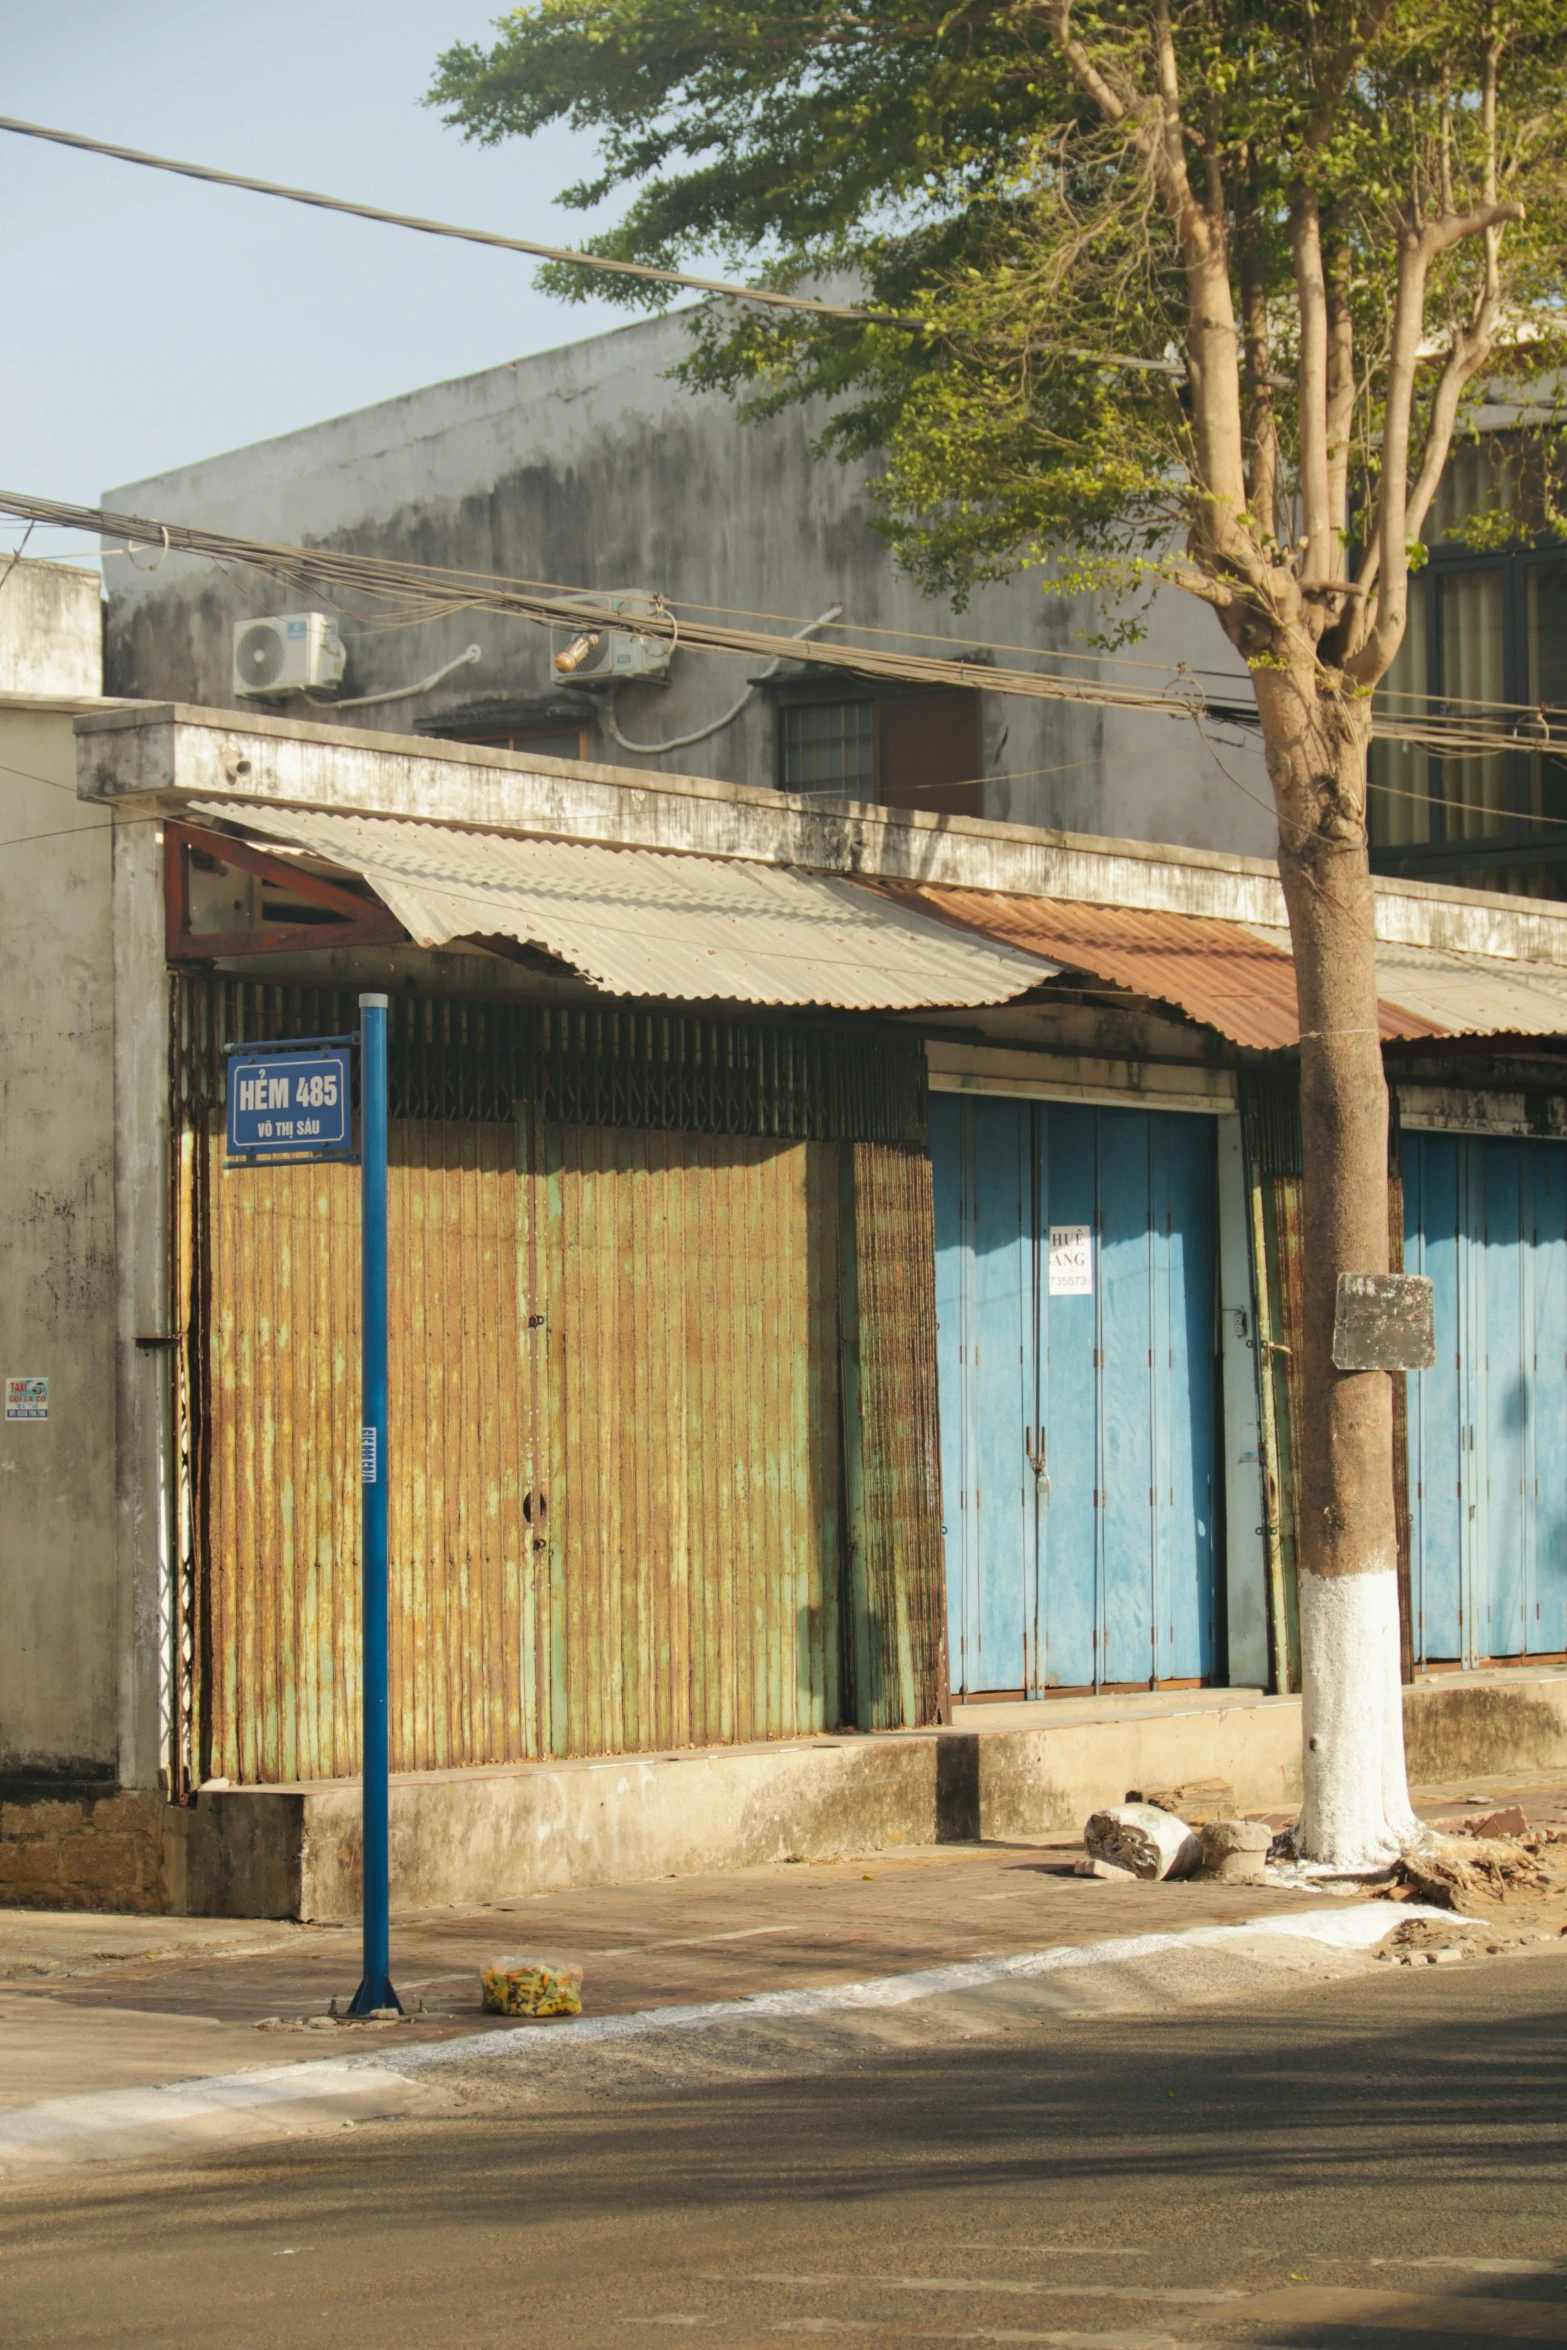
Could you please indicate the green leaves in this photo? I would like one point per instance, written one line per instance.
(948, 166)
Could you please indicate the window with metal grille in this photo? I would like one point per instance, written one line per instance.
(828, 747)
(1487, 633)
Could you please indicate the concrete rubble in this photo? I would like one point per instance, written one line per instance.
(1235, 1851)
(1144, 1840)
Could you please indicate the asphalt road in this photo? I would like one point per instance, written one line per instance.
(1385, 2153)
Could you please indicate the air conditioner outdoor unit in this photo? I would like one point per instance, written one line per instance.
(287, 653)
(595, 655)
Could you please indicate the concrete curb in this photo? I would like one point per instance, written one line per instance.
(1358, 1927)
(290, 2100)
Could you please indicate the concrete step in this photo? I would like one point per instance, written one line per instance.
(466, 1836)
(477, 1835)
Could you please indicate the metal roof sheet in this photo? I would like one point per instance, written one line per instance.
(1222, 973)
(641, 922)
(1465, 994)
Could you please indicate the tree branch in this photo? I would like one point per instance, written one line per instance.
(1263, 428)
(1216, 592)
(1341, 398)
(1334, 78)
(1440, 236)
(1396, 509)
(1311, 397)
(1092, 83)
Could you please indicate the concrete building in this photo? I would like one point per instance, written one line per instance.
(816, 1227)
(587, 467)
(845, 1209)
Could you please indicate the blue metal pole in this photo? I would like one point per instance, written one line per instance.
(375, 1989)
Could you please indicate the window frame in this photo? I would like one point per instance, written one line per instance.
(1521, 840)
(830, 696)
(877, 695)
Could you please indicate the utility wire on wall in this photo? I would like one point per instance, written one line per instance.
(427, 592)
(683, 742)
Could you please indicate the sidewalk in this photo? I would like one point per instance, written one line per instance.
(92, 2008)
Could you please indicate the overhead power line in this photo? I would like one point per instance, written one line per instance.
(422, 592)
(765, 295)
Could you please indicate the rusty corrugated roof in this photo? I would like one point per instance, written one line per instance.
(1222, 973)
(1467, 994)
(642, 922)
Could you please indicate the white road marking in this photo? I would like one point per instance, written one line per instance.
(1481, 2266)
(1351, 1927)
(1205, 2296)
(98, 2125)
(120, 2121)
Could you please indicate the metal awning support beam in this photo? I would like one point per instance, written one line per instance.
(358, 920)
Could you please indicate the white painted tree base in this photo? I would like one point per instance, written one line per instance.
(1356, 1812)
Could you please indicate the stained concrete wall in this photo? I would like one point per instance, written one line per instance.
(588, 467)
(51, 629)
(473, 1836)
(58, 1653)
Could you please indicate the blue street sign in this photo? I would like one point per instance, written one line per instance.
(288, 1101)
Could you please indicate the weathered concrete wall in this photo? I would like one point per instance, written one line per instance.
(1030, 1782)
(1485, 1725)
(146, 752)
(51, 629)
(472, 1836)
(59, 1647)
(587, 467)
(465, 1836)
(143, 1398)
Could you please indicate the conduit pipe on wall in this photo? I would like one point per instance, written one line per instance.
(680, 742)
(398, 693)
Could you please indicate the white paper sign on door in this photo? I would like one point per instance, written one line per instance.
(1071, 1260)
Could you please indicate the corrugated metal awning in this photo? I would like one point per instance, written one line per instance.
(1229, 977)
(1466, 995)
(1240, 977)
(641, 922)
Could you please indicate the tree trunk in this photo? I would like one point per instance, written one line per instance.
(1356, 1813)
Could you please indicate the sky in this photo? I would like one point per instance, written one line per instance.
(154, 321)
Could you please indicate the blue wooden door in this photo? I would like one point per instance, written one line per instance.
(1075, 1297)
(1486, 1219)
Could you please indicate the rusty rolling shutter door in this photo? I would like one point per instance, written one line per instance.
(462, 1433)
(694, 1484)
(893, 1440)
(270, 1261)
(616, 1401)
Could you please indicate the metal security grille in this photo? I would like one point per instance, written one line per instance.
(828, 747)
(663, 1393)
(664, 1072)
